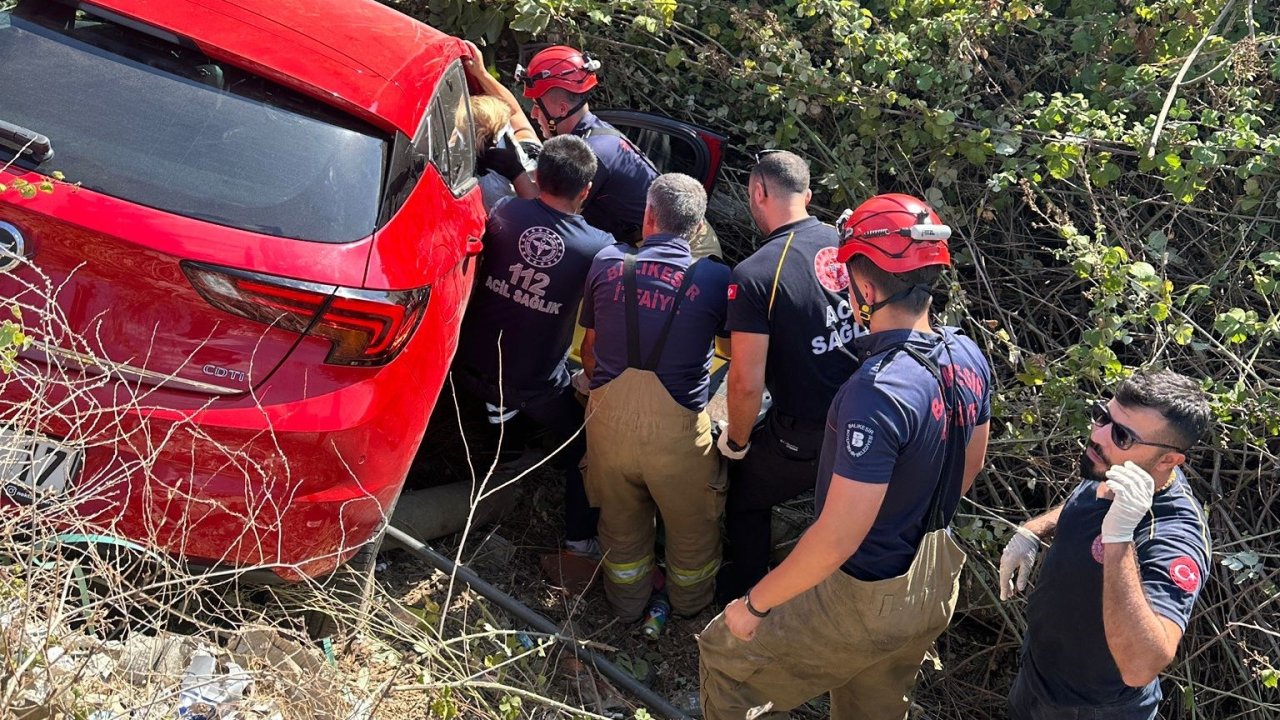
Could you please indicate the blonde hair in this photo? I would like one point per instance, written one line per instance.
(490, 115)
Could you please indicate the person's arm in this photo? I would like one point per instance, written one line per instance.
(724, 348)
(847, 516)
(1142, 642)
(975, 455)
(489, 85)
(1045, 526)
(587, 352)
(746, 384)
(525, 186)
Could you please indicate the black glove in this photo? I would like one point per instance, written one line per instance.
(509, 157)
(503, 160)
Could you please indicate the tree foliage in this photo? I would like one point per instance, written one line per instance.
(1111, 169)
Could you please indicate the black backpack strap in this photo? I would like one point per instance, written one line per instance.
(607, 130)
(953, 451)
(656, 354)
(633, 307)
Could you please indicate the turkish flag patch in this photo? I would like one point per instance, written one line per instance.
(733, 291)
(1185, 573)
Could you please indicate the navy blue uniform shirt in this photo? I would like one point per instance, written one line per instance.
(623, 175)
(886, 426)
(793, 290)
(685, 365)
(1064, 654)
(528, 289)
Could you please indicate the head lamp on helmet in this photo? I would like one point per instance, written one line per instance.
(898, 233)
(559, 66)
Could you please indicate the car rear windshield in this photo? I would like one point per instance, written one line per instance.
(150, 119)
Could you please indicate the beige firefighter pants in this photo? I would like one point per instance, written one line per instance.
(646, 453)
(863, 642)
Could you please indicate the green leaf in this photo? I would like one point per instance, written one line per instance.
(1142, 271)
(1183, 334)
(1008, 144)
(674, 57)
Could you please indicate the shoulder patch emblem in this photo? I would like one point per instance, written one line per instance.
(541, 247)
(858, 438)
(832, 275)
(1096, 550)
(1185, 573)
(733, 291)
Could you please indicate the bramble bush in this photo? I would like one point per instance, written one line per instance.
(1111, 170)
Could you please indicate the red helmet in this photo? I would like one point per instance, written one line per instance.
(559, 66)
(899, 233)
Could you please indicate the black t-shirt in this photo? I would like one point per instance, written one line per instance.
(1066, 660)
(810, 325)
(526, 300)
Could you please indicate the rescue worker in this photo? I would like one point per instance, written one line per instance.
(1129, 556)
(859, 601)
(650, 317)
(559, 81)
(518, 328)
(792, 330)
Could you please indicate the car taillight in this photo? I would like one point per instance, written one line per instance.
(366, 327)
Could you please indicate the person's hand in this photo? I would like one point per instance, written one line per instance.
(740, 620)
(1016, 561)
(507, 161)
(581, 382)
(722, 444)
(1133, 489)
(474, 60)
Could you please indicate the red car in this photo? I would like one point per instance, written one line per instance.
(265, 265)
(255, 269)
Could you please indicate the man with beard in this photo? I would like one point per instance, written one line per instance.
(1130, 549)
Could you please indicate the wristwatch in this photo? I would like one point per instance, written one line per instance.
(746, 599)
(735, 446)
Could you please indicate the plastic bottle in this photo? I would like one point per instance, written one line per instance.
(659, 611)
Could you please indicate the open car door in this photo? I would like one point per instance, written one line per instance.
(672, 145)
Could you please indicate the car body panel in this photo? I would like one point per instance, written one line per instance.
(207, 434)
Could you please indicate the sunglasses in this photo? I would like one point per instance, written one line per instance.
(761, 156)
(1123, 436)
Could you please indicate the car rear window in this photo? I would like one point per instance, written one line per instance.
(149, 119)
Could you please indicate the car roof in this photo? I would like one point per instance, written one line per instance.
(358, 55)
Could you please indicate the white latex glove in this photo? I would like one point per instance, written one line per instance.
(723, 444)
(1016, 561)
(580, 382)
(1134, 490)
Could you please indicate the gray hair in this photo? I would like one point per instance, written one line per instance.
(677, 203)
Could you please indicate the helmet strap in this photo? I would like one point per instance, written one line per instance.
(866, 310)
(552, 120)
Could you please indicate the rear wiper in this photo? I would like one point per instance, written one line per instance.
(26, 142)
